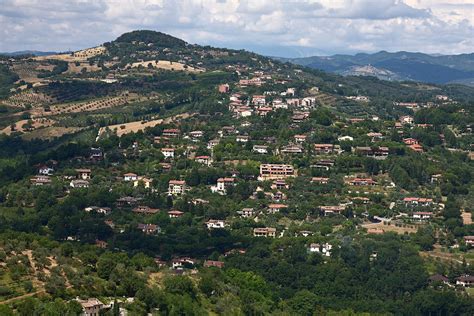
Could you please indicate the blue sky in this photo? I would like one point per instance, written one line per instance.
(279, 28)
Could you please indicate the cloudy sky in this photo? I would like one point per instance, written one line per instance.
(271, 27)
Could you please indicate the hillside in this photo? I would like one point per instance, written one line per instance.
(397, 66)
(150, 176)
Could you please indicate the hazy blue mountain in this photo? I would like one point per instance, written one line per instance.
(397, 66)
(27, 52)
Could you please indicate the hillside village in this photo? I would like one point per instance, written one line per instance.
(150, 175)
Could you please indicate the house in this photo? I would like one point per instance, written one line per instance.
(380, 153)
(149, 229)
(406, 119)
(91, 307)
(130, 177)
(84, 174)
(165, 166)
(258, 100)
(410, 141)
(127, 201)
(276, 172)
(276, 208)
(45, 170)
(264, 232)
(246, 212)
(242, 138)
(292, 149)
(421, 216)
(224, 88)
(345, 138)
(99, 210)
(205, 160)
(146, 210)
(143, 180)
(279, 185)
(299, 117)
(96, 154)
(175, 214)
(465, 280)
(325, 164)
(212, 143)
(320, 149)
(375, 137)
(439, 278)
(40, 180)
(212, 263)
(215, 224)
(222, 185)
(300, 138)
(260, 149)
(416, 148)
(227, 131)
(264, 110)
(469, 240)
(324, 249)
(320, 180)
(362, 182)
(79, 183)
(416, 201)
(101, 244)
(196, 134)
(176, 187)
(168, 152)
(171, 132)
(243, 111)
(180, 263)
(436, 178)
(332, 209)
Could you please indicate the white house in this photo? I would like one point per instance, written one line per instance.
(215, 224)
(168, 152)
(260, 149)
(130, 177)
(176, 187)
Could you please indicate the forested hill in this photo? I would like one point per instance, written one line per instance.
(150, 176)
(397, 66)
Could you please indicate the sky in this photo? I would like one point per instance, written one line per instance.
(270, 27)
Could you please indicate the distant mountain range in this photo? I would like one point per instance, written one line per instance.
(28, 52)
(397, 66)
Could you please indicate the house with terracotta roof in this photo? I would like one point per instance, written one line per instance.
(264, 232)
(176, 187)
(91, 307)
(175, 214)
(168, 152)
(362, 182)
(320, 180)
(205, 160)
(171, 132)
(465, 280)
(223, 184)
(149, 229)
(276, 208)
(84, 174)
(130, 177)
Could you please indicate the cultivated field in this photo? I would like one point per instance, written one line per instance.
(389, 227)
(133, 127)
(167, 65)
(35, 124)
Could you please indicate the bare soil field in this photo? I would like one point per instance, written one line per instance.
(87, 106)
(81, 55)
(50, 132)
(391, 228)
(133, 127)
(35, 124)
(167, 65)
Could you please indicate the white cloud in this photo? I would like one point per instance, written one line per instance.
(267, 26)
